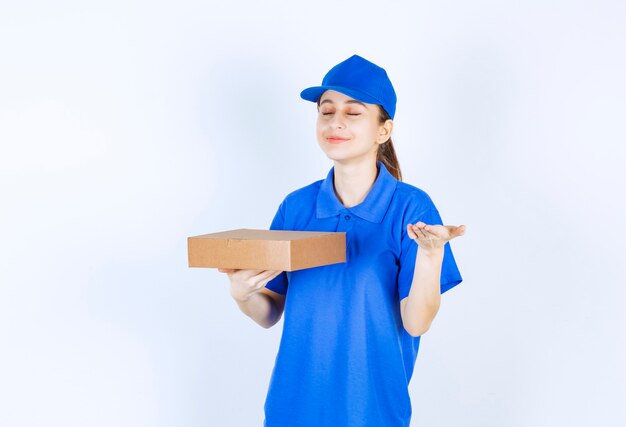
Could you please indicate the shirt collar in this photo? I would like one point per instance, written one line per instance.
(372, 209)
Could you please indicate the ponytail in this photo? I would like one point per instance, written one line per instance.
(386, 153)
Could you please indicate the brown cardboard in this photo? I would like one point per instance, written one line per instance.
(267, 249)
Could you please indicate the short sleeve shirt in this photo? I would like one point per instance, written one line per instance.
(345, 358)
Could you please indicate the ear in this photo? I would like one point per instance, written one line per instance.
(384, 131)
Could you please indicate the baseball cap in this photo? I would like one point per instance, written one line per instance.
(360, 79)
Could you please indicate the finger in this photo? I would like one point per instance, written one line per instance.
(416, 229)
(272, 277)
(418, 233)
(264, 282)
(456, 231)
(438, 232)
(276, 273)
(430, 228)
(226, 270)
(264, 275)
(409, 230)
(422, 232)
(419, 224)
(247, 274)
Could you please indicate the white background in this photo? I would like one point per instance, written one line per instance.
(126, 126)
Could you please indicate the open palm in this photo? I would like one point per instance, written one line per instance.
(433, 237)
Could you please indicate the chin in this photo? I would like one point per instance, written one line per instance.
(345, 153)
(346, 159)
(338, 156)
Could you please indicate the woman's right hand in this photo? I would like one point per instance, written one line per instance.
(245, 283)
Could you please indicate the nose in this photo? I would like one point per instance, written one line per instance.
(337, 122)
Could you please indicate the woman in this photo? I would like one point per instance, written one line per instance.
(352, 330)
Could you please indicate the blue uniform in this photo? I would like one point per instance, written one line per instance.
(344, 358)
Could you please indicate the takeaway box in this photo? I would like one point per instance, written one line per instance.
(267, 249)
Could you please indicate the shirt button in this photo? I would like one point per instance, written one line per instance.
(347, 217)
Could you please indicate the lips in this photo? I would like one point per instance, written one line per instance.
(336, 139)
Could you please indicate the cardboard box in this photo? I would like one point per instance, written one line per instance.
(267, 249)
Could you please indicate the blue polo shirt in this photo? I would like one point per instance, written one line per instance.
(344, 358)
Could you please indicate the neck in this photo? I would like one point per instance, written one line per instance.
(353, 181)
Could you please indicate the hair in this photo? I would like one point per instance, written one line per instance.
(386, 153)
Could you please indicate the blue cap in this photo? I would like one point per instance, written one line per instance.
(359, 79)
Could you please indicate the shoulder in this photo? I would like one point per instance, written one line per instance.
(298, 207)
(413, 198)
(306, 193)
(416, 205)
(305, 196)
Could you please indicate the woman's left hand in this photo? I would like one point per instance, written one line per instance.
(433, 238)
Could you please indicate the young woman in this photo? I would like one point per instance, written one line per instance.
(352, 330)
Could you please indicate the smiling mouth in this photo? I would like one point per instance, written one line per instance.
(336, 140)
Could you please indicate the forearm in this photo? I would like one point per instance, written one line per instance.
(260, 308)
(422, 303)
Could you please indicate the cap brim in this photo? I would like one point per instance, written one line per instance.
(313, 94)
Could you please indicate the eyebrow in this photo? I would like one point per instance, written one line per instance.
(351, 101)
